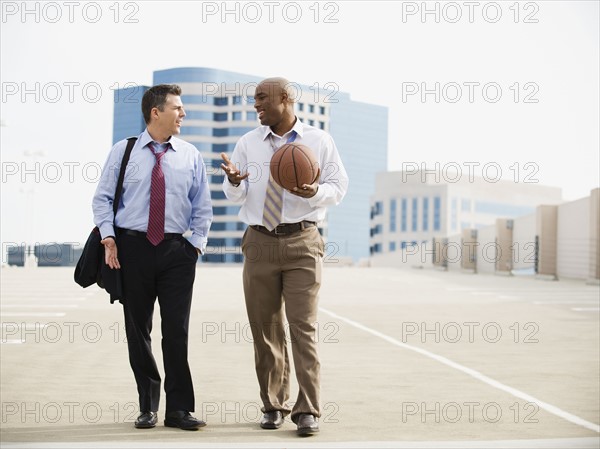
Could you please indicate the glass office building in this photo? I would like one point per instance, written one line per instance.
(220, 108)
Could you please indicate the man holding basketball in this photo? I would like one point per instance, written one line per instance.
(284, 263)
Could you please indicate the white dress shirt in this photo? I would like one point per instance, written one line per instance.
(253, 153)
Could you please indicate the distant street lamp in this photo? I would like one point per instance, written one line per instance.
(30, 259)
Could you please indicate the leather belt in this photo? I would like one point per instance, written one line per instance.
(121, 231)
(285, 228)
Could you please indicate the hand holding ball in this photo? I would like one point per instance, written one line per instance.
(294, 165)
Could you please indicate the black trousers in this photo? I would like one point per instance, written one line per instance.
(165, 271)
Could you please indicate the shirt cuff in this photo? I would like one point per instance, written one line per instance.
(107, 230)
(314, 201)
(198, 242)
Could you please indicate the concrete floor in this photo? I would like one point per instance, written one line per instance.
(410, 359)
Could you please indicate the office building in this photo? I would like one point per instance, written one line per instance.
(413, 207)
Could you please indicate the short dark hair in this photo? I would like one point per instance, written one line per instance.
(156, 97)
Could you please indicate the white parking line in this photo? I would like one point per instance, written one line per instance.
(471, 372)
(39, 305)
(539, 303)
(586, 309)
(2, 315)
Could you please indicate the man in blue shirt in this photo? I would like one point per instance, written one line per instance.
(165, 193)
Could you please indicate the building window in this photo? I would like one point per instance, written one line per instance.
(216, 243)
(376, 230)
(251, 115)
(301, 107)
(223, 147)
(311, 122)
(198, 115)
(236, 115)
(454, 215)
(250, 100)
(437, 205)
(414, 215)
(376, 209)
(220, 117)
(237, 99)
(311, 108)
(321, 125)
(221, 101)
(425, 214)
(217, 195)
(465, 205)
(217, 226)
(322, 110)
(220, 132)
(392, 246)
(393, 215)
(220, 210)
(403, 215)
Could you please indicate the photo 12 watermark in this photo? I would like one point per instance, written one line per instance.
(473, 92)
(90, 91)
(470, 12)
(93, 332)
(469, 332)
(469, 412)
(470, 171)
(470, 251)
(72, 412)
(270, 12)
(70, 12)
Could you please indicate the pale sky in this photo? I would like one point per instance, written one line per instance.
(527, 74)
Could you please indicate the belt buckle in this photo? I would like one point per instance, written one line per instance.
(278, 233)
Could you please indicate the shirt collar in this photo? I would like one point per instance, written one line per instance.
(146, 138)
(298, 127)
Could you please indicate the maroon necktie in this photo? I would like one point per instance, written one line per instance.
(156, 217)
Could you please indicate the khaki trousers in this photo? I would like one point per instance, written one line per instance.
(282, 277)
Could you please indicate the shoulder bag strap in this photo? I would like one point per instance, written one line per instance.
(119, 189)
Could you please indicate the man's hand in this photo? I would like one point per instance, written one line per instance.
(110, 252)
(307, 190)
(234, 175)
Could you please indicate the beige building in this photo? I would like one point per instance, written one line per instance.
(553, 240)
(411, 208)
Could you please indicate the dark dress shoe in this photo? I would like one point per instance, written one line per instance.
(146, 420)
(183, 420)
(307, 424)
(272, 420)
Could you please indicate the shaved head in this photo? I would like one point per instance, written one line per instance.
(278, 85)
(274, 101)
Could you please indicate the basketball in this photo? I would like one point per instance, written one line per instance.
(293, 165)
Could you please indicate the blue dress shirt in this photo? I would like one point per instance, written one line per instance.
(187, 201)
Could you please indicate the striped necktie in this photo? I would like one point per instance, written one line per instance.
(156, 216)
(273, 207)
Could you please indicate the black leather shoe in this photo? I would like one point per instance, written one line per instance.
(146, 420)
(272, 420)
(183, 420)
(307, 424)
